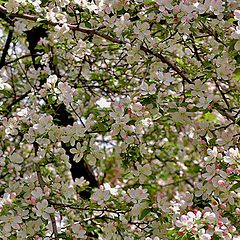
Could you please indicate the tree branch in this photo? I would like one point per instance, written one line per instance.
(18, 100)
(19, 58)
(165, 60)
(222, 93)
(118, 211)
(6, 47)
(95, 31)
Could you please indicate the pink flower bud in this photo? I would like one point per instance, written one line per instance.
(210, 226)
(46, 190)
(221, 183)
(33, 200)
(237, 211)
(180, 232)
(232, 228)
(37, 238)
(225, 233)
(190, 208)
(194, 230)
(220, 223)
(223, 206)
(162, 195)
(13, 195)
(195, 211)
(218, 166)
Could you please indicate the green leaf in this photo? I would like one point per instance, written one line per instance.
(232, 20)
(232, 44)
(147, 100)
(88, 24)
(212, 141)
(64, 236)
(237, 58)
(209, 116)
(144, 213)
(4, 110)
(236, 74)
(102, 126)
(235, 186)
(148, 2)
(234, 177)
(238, 121)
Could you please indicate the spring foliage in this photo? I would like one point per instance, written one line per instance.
(119, 119)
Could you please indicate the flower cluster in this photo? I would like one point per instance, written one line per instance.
(119, 119)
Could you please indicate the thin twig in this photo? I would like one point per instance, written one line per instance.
(80, 119)
(117, 211)
(21, 57)
(42, 185)
(222, 94)
(213, 34)
(195, 49)
(17, 100)
(165, 60)
(95, 31)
